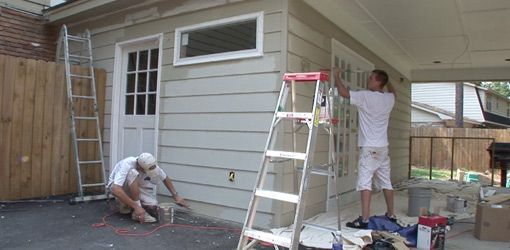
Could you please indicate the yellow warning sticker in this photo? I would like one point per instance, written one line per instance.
(317, 116)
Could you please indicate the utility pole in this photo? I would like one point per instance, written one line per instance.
(459, 105)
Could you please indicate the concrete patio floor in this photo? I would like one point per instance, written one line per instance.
(58, 225)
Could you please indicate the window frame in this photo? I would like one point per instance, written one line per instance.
(257, 52)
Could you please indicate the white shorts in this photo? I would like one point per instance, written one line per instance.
(374, 162)
(147, 189)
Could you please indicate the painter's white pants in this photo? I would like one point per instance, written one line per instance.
(374, 162)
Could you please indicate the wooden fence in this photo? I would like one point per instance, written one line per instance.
(36, 156)
(468, 154)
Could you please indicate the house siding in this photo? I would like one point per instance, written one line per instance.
(214, 117)
(442, 95)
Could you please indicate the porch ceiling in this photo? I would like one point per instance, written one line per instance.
(430, 40)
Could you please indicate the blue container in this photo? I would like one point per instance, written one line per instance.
(337, 246)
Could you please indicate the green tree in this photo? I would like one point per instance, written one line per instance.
(502, 88)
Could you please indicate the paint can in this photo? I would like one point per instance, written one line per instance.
(165, 213)
(456, 204)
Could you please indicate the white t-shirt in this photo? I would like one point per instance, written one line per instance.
(120, 171)
(374, 110)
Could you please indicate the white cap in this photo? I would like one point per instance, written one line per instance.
(148, 163)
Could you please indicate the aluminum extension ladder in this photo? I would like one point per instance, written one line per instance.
(77, 51)
(312, 120)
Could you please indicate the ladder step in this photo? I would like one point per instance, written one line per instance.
(79, 57)
(294, 115)
(87, 139)
(277, 195)
(77, 38)
(318, 171)
(285, 154)
(268, 237)
(85, 117)
(323, 228)
(93, 184)
(83, 96)
(306, 77)
(91, 162)
(81, 76)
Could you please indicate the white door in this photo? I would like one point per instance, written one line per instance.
(355, 75)
(137, 99)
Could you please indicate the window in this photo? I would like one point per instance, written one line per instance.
(489, 105)
(225, 39)
(141, 82)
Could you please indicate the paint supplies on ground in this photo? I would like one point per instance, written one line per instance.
(431, 232)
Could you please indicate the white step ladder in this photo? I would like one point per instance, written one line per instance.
(77, 51)
(312, 120)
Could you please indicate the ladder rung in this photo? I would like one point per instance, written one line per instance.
(87, 139)
(91, 162)
(77, 38)
(81, 76)
(80, 57)
(83, 96)
(294, 115)
(268, 237)
(277, 195)
(323, 228)
(85, 117)
(93, 184)
(288, 155)
(318, 171)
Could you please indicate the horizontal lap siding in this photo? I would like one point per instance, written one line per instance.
(214, 117)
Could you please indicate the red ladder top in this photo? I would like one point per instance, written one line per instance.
(308, 76)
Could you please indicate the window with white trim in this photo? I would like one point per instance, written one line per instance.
(224, 39)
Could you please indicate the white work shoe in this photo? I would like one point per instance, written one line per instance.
(147, 218)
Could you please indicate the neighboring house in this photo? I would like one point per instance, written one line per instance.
(24, 32)
(214, 70)
(433, 104)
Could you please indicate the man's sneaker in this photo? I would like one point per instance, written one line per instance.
(391, 218)
(358, 223)
(147, 218)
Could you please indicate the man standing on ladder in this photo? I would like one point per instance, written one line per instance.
(374, 108)
(133, 182)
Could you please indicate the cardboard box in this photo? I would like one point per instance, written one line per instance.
(492, 222)
(431, 232)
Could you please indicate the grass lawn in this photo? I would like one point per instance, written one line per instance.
(441, 174)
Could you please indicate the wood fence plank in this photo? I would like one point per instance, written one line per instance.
(4, 169)
(56, 155)
(48, 128)
(37, 145)
(17, 131)
(27, 128)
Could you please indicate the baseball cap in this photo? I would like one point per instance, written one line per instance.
(148, 163)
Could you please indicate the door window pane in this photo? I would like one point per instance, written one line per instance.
(142, 64)
(142, 82)
(154, 58)
(131, 61)
(153, 81)
(130, 103)
(151, 109)
(140, 104)
(130, 85)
